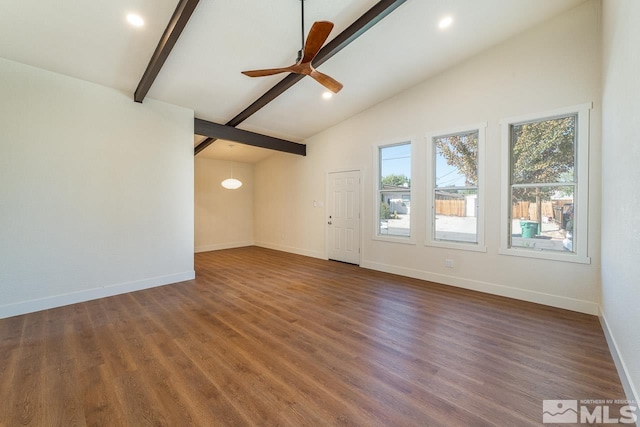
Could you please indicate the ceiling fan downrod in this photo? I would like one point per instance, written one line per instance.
(302, 32)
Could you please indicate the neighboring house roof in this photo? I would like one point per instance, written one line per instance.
(395, 188)
(446, 195)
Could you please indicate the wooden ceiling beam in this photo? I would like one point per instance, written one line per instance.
(215, 131)
(177, 23)
(203, 144)
(268, 96)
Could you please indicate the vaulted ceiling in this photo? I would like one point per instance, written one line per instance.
(91, 40)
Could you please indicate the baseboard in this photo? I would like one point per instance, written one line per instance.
(581, 306)
(31, 306)
(220, 246)
(290, 249)
(629, 389)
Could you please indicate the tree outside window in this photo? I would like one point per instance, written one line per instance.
(455, 190)
(543, 183)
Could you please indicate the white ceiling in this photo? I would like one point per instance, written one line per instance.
(92, 41)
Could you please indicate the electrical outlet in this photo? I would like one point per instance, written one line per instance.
(448, 263)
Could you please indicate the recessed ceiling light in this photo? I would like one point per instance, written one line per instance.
(445, 22)
(135, 20)
(327, 95)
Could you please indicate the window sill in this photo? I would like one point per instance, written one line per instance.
(473, 247)
(548, 255)
(395, 239)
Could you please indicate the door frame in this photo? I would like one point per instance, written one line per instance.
(327, 191)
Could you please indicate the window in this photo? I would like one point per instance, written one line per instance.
(546, 184)
(456, 209)
(394, 190)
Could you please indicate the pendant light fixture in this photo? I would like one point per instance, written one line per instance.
(231, 183)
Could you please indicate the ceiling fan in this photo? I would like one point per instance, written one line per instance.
(317, 36)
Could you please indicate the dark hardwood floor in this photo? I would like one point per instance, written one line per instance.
(268, 338)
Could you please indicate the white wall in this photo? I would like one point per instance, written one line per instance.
(554, 65)
(223, 218)
(285, 187)
(96, 191)
(620, 195)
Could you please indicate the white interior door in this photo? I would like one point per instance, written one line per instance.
(343, 216)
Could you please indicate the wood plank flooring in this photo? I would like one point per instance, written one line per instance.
(274, 339)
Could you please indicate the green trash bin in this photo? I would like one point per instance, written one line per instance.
(529, 228)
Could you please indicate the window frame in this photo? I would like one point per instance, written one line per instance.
(430, 239)
(410, 240)
(581, 193)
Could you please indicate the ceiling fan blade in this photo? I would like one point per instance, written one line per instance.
(267, 72)
(317, 36)
(329, 82)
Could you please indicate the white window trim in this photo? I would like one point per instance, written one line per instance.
(430, 217)
(411, 240)
(582, 194)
